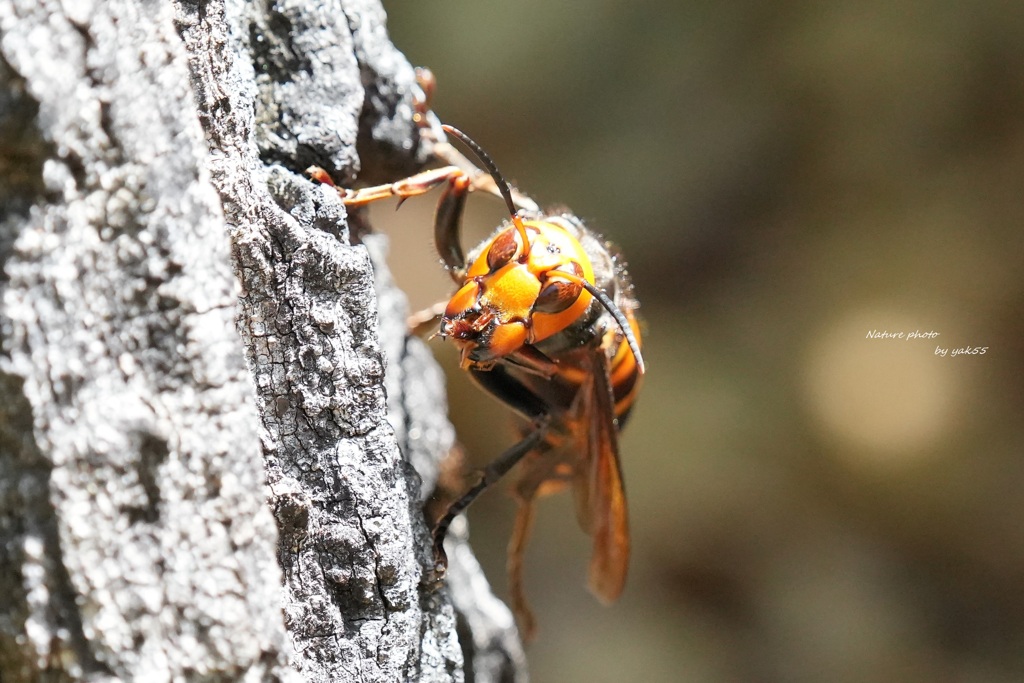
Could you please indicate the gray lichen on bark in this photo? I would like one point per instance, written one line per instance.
(133, 545)
(181, 305)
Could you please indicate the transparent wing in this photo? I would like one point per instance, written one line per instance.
(600, 495)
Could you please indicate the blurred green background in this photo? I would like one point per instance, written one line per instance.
(807, 504)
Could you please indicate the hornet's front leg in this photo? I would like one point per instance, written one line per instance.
(447, 220)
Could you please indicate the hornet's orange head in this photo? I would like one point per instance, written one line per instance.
(525, 285)
(528, 282)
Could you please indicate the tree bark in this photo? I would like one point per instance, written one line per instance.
(180, 300)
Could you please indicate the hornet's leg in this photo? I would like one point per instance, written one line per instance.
(412, 186)
(447, 220)
(423, 117)
(426, 323)
(514, 568)
(543, 475)
(492, 473)
(448, 225)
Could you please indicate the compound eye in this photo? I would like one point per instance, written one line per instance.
(503, 249)
(557, 294)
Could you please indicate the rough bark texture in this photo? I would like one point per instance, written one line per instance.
(133, 546)
(145, 149)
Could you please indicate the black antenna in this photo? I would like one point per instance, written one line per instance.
(619, 318)
(492, 168)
